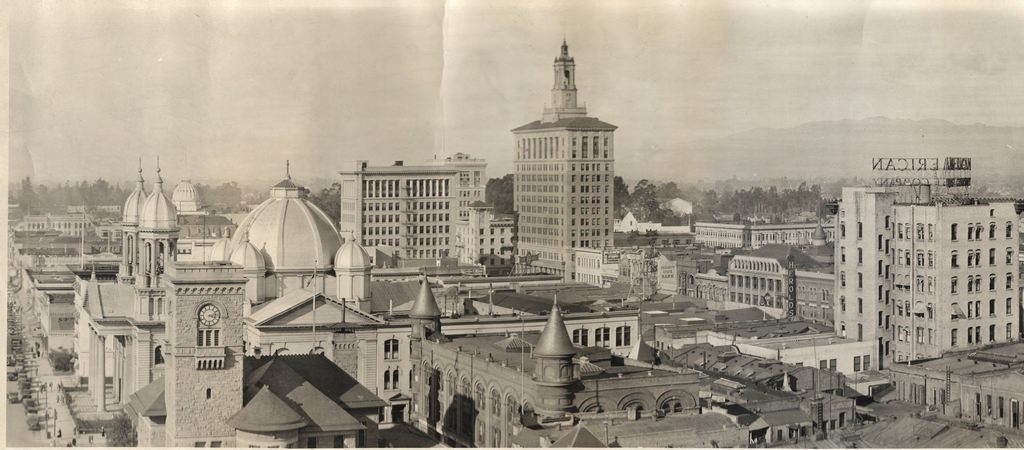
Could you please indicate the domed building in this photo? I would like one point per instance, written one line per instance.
(296, 239)
(186, 198)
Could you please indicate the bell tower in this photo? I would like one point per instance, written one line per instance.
(563, 93)
(203, 379)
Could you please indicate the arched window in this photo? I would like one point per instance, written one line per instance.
(391, 349)
(842, 329)
(992, 230)
(395, 379)
(1009, 230)
(1009, 280)
(158, 355)
(387, 379)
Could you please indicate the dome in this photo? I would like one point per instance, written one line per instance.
(185, 197)
(248, 256)
(136, 200)
(158, 212)
(292, 232)
(351, 256)
(219, 251)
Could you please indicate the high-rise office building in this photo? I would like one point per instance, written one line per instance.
(412, 208)
(564, 172)
(922, 276)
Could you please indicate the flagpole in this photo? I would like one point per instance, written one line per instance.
(316, 262)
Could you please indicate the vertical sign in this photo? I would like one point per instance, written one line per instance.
(791, 297)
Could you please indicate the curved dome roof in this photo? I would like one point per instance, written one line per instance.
(136, 200)
(185, 196)
(219, 251)
(351, 255)
(248, 256)
(158, 212)
(292, 232)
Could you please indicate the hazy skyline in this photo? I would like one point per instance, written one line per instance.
(230, 92)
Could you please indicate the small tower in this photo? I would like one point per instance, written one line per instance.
(352, 274)
(819, 238)
(158, 235)
(129, 266)
(425, 313)
(554, 367)
(563, 93)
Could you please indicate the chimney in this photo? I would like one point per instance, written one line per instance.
(399, 163)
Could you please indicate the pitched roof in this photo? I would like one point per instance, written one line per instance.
(149, 401)
(266, 412)
(105, 300)
(403, 293)
(318, 410)
(579, 437)
(297, 301)
(329, 379)
(527, 303)
(571, 123)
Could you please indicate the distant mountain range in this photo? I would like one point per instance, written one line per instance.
(841, 148)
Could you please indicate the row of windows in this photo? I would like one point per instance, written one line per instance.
(974, 283)
(974, 335)
(974, 309)
(602, 337)
(749, 282)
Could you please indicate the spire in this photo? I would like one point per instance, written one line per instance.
(425, 306)
(139, 180)
(565, 47)
(159, 184)
(287, 169)
(554, 340)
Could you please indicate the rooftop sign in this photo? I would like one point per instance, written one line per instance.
(938, 172)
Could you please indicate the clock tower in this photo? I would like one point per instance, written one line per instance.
(204, 375)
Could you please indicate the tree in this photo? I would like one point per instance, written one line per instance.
(500, 193)
(622, 197)
(122, 432)
(329, 200)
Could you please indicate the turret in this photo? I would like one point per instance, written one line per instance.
(554, 372)
(129, 266)
(352, 271)
(819, 238)
(425, 313)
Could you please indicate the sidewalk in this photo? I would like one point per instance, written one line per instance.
(65, 422)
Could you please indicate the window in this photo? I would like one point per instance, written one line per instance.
(387, 379)
(391, 350)
(992, 282)
(311, 442)
(1009, 280)
(860, 230)
(952, 232)
(988, 404)
(856, 363)
(992, 235)
(860, 332)
(992, 307)
(209, 393)
(953, 260)
(622, 337)
(208, 338)
(952, 338)
(860, 306)
(991, 333)
(580, 337)
(953, 285)
(602, 337)
(339, 441)
(158, 353)
(1009, 230)
(1009, 332)
(842, 303)
(1009, 255)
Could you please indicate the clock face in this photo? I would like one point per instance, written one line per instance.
(209, 315)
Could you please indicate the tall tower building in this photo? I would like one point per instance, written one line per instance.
(203, 379)
(129, 267)
(564, 172)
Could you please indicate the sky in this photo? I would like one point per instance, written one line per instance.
(230, 90)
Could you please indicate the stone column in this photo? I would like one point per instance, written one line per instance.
(118, 378)
(101, 374)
